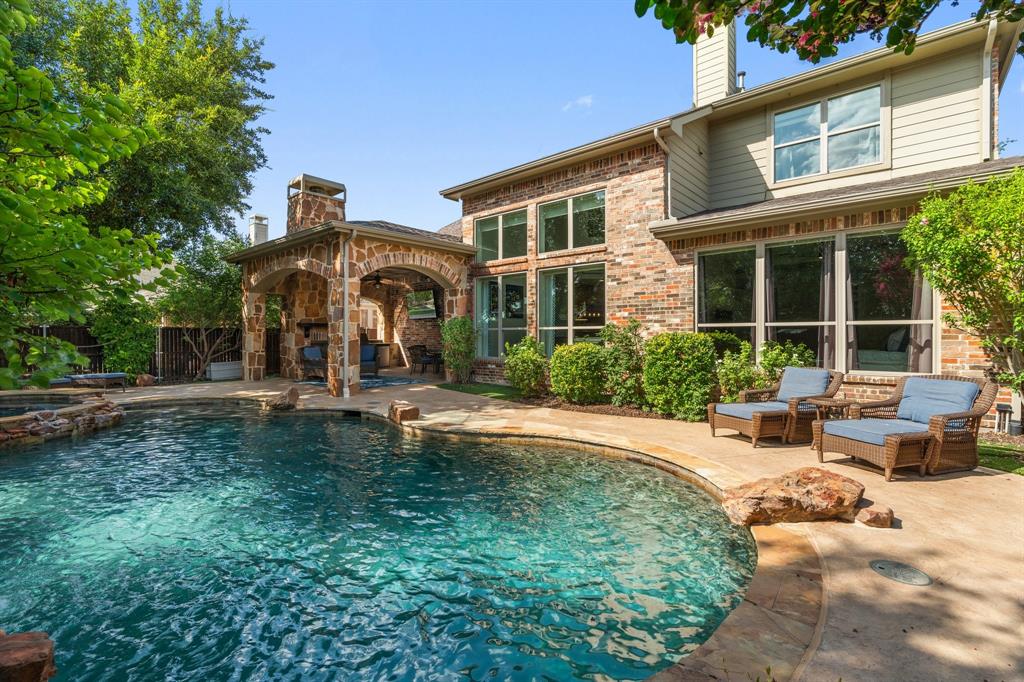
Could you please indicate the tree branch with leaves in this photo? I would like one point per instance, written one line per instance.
(813, 29)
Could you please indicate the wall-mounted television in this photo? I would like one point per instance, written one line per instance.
(421, 304)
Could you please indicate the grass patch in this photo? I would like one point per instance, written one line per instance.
(487, 390)
(1001, 457)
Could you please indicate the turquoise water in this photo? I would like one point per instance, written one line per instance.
(187, 545)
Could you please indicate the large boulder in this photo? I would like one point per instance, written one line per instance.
(401, 411)
(284, 401)
(26, 657)
(807, 494)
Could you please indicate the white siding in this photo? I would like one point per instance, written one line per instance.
(688, 169)
(936, 114)
(738, 163)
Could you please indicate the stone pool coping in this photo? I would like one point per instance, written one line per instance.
(775, 627)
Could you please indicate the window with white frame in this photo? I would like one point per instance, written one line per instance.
(500, 313)
(829, 135)
(849, 298)
(571, 223)
(571, 305)
(501, 236)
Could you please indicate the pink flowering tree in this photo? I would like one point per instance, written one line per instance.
(812, 29)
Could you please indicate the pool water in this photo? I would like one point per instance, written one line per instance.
(13, 409)
(230, 545)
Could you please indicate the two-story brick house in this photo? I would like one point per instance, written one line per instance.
(772, 212)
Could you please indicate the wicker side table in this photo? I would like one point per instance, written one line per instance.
(830, 408)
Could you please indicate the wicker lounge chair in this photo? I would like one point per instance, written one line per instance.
(314, 361)
(779, 410)
(368, 364)
(929, 422)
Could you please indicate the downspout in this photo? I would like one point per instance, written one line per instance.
(668, 171)
(345, 393)
(988, 146)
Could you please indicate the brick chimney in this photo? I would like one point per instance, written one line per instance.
(313, 201)
(714, 66)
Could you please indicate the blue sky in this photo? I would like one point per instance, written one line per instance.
(401, 99)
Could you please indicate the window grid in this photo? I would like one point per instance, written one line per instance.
(843, 317)
(501, 234)
(825, 134)
(570, 227)
(570, 327)
(499, 320)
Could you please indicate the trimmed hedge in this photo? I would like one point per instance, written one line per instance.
(526, 366)
(725, 342)
(679, 374)
(578, 373)
(624, 363)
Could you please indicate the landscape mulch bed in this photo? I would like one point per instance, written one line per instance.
(615, 410)
(1016, 442)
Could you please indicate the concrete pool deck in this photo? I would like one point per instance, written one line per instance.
(815, 610)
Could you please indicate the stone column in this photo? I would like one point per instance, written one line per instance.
(336, 374)
(254, 356)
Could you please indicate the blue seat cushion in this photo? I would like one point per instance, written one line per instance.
(60, 381)
(104, 375)
(924, 398)
(747, 410)
(802, 381)
(871, 431)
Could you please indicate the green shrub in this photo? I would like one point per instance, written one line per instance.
(624, 363)
(679, 374)
(737, 372)
(458, 347)
(725, 341)
(578, 373)
(126, 328)
(526, 366)
(776, 356)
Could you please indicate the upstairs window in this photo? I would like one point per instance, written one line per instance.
(572, 223)
(501, 236)
(829, 135)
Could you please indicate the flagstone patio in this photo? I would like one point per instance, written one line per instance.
(965, 530)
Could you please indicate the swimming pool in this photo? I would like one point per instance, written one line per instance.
(226, 544)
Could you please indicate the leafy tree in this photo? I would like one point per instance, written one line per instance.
(970, 246)
(126, 328)
(196, 81)
(53, 264)
(206, 296)
(812, 29)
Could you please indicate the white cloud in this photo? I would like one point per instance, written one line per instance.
(584, 102)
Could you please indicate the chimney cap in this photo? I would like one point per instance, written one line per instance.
(311, 183)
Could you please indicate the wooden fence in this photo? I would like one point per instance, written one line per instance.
(174, 359)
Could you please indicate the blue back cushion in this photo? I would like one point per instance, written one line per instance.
(802, 381)
(367, 353)
(925, 398)
(311, 353)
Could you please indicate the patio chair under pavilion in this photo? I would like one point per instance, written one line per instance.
(320, 269)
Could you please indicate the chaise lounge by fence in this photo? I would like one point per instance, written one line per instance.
(928, 423)
(781, 410)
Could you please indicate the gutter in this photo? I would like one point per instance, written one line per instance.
(987, 148)
(696, 226)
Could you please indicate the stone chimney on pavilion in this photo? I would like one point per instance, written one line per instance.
(714, 66)
(313, 201)
(259, 228)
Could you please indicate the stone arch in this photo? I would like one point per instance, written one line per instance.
(271, 274)
(424, 263)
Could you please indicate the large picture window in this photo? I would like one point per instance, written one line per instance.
(850, 298)
(726, 295)
(572, 223)
(501, 236)
(500, 313)
(571, 305)
(828, 135)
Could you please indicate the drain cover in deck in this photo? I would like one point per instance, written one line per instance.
(900, 572)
